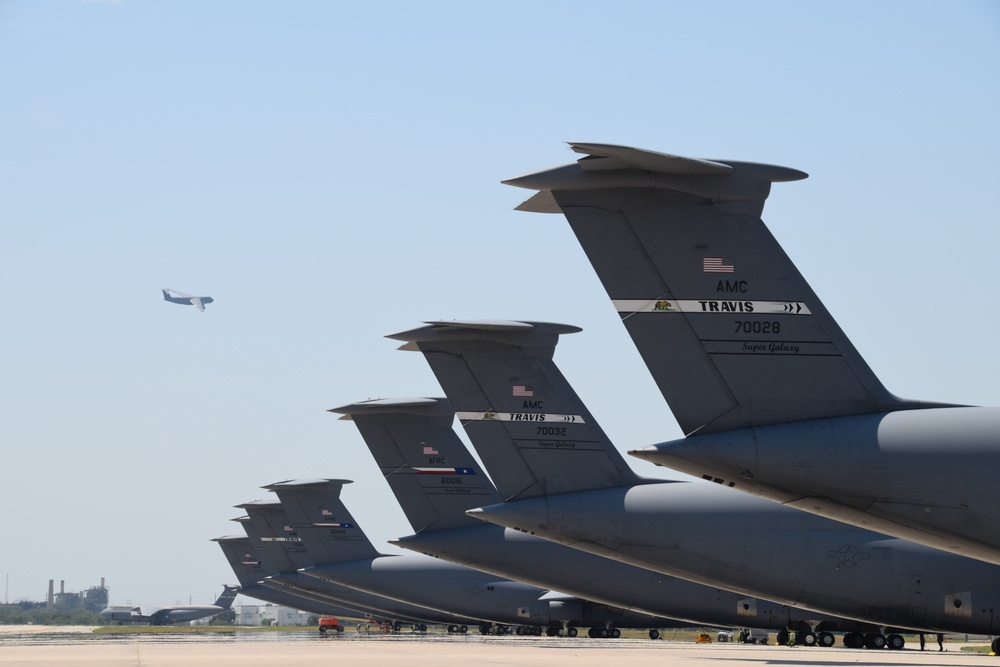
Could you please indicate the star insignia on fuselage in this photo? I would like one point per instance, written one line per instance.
(849, 555)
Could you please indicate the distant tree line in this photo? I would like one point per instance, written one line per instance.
(37, 613)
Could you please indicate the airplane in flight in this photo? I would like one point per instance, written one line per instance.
(345, 555)
(564, 481)
(199, 302)
(772, 396)
(156, 615)
(410, 438)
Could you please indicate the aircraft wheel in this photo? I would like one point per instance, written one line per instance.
(396, 627)
(615, 633)
(603, 633)
(484, 629)
(501, 629)
(572, 632)
(451, 628)
(995, 645)
(826, 639)
(782, 637)
(463, 629)
(322, 629)
(875, 640)
(895, 642)
(654, 634)
(550, 631)
(805, 638)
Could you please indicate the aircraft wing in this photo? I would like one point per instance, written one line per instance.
(196, 302)
(181, 294)
(150, 610)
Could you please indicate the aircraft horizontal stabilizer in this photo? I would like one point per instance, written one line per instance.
(730, 330)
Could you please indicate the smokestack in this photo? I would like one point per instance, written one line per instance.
(62, 586)
(49, 600)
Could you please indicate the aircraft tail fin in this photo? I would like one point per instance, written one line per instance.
(225, 600)
(166, 294)
(328, 530)
(730, 330)
(270, 529)
(432, 473)
(243, 558)
(531, 430)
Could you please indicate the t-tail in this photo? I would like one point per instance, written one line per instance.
(270, 529)
(730, 330)
(328, 531)
(533, 433)
(243, 558)
(430, 470)
(228, 595)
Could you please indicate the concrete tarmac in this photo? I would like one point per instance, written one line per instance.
(40, 649)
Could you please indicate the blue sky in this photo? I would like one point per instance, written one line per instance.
(330, 173)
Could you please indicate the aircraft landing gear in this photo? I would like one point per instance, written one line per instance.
(805, 638)
(875, 640)
(571, 631)
(826, 639)
(654, 633)
(895, 642)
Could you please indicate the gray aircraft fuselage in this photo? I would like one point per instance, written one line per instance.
(344, 554)
(187, 302)
(461, 590)
(511, 553)
(134, 614)
(284, 554)
(923, 475)
(565, 481)
(773, 396)
(249, 569)
(714, 536)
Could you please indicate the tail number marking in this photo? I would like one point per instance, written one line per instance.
(757, 327)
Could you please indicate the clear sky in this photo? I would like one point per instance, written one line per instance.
(330, 173)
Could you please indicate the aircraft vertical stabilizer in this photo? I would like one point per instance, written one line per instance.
(270, 527)
(432, 474)
(730, 330)
(328, 531)
(528, 425)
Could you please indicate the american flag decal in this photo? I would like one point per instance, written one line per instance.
(718, 265)
(522, 390)
(429, 451)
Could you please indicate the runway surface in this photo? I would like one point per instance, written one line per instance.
(60, 647)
